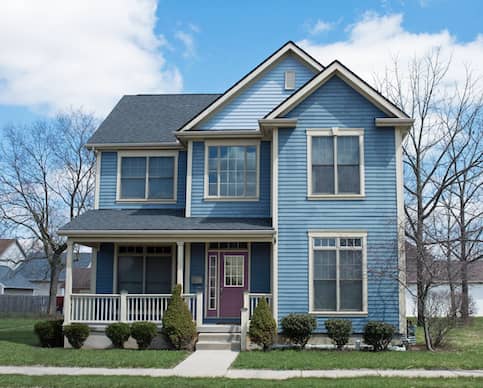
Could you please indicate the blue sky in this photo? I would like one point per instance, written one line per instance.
(70, 58)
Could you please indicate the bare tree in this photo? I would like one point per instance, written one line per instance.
(430, 168)
(46, 179)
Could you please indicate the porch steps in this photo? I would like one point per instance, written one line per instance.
(228, 340)
(219, 329)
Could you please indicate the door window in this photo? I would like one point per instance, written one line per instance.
(234, 270)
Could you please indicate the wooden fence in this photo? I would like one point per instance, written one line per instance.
(24, 304)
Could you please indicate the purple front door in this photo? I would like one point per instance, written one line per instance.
(233, 282)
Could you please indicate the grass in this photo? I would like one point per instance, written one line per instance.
(464, 350)
(172, 382)
(19, 346)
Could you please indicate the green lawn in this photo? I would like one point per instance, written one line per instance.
(19, 346)
(128, 382)
(464, 350)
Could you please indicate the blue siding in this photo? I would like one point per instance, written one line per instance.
(105, 265)
(108, 182)
(259, 98)
(261, 257)
(202, 208)
(336, 104)
(197, 266)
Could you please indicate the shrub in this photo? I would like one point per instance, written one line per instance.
(263, 327)
(178, 323)
(76, 334)
(339, 331)
(50, 333)
(118, 333)
(298, 328)
(378, 334)
(143, 333)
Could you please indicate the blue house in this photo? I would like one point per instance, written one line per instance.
(288, 186)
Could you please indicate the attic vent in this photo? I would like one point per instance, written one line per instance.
(290, 80)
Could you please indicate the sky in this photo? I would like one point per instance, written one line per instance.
(58, 54)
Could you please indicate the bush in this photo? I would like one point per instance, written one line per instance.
(76, 334)
(143, 333)
(50, 333)
(339, 331)
(298, 328)
(118, 333)
(378, 334)
(178, 323)
(263, 327)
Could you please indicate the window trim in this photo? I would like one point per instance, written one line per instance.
(147, 154)
(243, 270)
(316, 132)
(232, 143)
(313, 234)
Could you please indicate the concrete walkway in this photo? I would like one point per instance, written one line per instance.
(216, 363)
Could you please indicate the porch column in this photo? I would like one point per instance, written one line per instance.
(68, 282)
(180, 265)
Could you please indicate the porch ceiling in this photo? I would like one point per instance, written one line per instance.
(162, 223)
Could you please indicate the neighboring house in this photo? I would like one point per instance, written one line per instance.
(441, 283)
(288, 186)
(37, 270)
(11, 253)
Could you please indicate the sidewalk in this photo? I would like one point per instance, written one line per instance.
(216, 363)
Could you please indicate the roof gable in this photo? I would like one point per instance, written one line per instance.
(357, 83)
(288, 48)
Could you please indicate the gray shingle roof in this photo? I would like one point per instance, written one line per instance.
(13, 279)
(38, 268)
(159, 219)
(149, 118)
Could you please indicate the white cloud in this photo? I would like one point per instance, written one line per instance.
(56, 53)
(320, 26)
(375, 40)
(188, 40)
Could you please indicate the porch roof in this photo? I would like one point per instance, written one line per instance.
(162, 221)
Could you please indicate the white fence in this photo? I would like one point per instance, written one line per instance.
(108, 308)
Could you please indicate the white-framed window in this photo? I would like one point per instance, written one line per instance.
(232, 170)
(212, 281)
(147, 176)
(234, 270)
(338, 273)
(144, 269)
(335, 163)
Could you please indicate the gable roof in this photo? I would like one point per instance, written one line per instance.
(145, 119)
(12, 279)
(286, 48)
(5, 244)
(356, 82)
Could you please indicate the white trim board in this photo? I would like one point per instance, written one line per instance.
(336, 68)
(288, 47)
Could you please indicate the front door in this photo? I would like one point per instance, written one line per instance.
(233, 282)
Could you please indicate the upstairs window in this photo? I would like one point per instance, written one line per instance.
(147, 177)
(335, 163)
(232, 171)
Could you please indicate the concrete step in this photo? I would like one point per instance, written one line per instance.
(218, 345)
(219, 329)
(219, 337)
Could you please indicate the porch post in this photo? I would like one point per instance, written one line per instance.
(180, 264)
(68, 281)
(93, 270)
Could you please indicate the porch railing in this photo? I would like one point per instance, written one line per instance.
(250, 302)
(108, 308)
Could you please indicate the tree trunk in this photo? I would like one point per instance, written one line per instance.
(427, 337)
(465, 300)
(54, 281)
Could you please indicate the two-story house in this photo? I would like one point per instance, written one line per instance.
(288, 186)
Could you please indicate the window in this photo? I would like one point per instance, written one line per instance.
(232, 171)
(228, 245)
(335, 162)
(144, 269)
(212, 281)
(290, 80)
(147, 177)
(337, 274)
(234, 270)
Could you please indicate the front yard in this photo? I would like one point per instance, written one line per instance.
(464, 350)
(19, 346)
